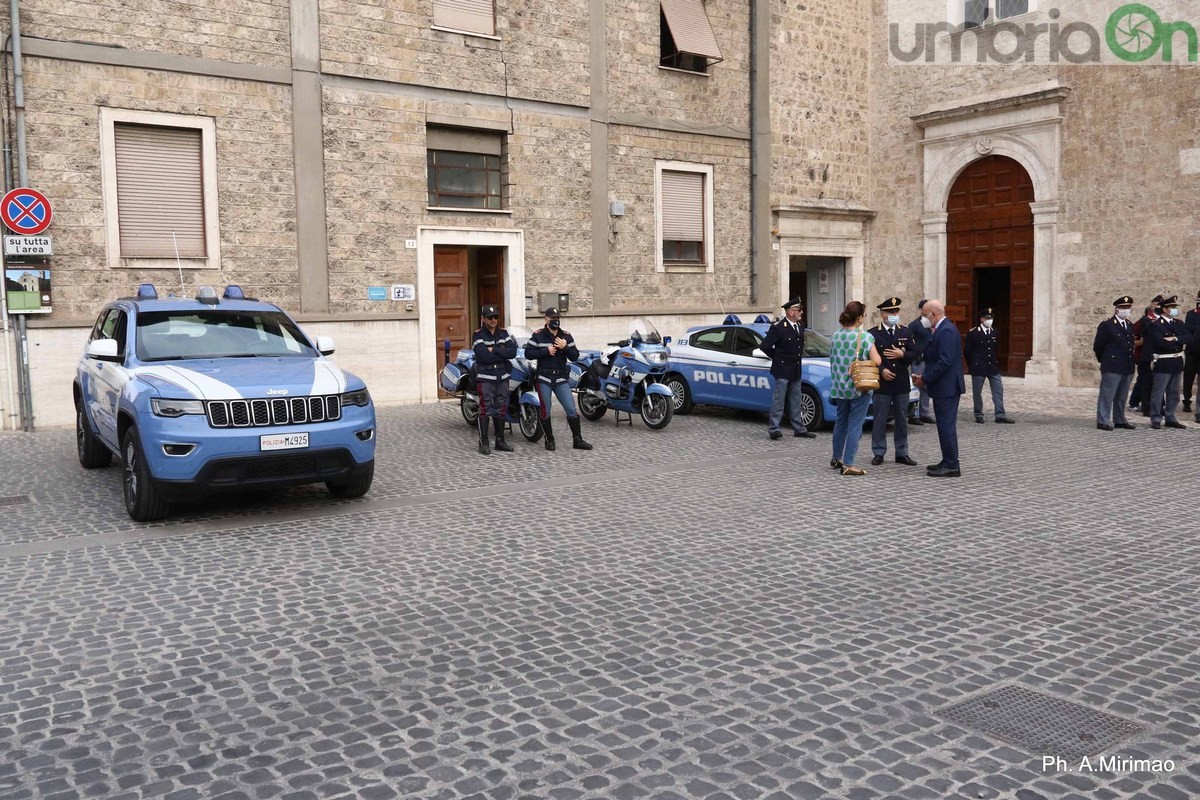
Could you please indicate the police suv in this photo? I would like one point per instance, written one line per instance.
(200, 395)
(718, 365)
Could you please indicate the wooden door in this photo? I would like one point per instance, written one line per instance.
(489, 277)
(451, 299)
(990, 226)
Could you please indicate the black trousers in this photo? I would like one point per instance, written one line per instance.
(1141, 387)
(1191, 366)
(493, 398)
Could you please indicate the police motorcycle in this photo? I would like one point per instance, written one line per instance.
(524, 407)
(627, 375)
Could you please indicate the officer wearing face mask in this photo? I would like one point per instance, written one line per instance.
(1167, 339)
(1113, 347)
(895, 344)
(921, 334)
(554, 350)
(983, 363)
(1191, 361)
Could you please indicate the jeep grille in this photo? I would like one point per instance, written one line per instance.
(261, 413)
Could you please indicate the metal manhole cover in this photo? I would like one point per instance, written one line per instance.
(15, 500)
(1042, 724)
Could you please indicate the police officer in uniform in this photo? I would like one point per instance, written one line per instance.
(1191, 361)
(1140, 398)
(896, 345)
(983, 363)
(1113, 347)
(554, 350)
(1166, 340)
(494, 351)
(784, 345)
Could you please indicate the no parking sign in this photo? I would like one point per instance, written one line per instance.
(26, 211)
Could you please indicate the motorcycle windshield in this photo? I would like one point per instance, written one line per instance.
(645, 332)
(520, 333)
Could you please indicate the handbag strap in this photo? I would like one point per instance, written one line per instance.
(858, 347)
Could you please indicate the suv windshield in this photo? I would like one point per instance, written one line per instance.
(171, 335)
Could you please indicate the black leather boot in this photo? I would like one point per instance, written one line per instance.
(549, 429)
(577, 438)
(483, 435)
(501, 446)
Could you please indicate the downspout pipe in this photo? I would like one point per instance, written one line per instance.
(14, 13)
(760, 142)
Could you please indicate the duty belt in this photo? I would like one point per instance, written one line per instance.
(1157, 356)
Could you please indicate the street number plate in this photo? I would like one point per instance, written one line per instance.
(283, 441)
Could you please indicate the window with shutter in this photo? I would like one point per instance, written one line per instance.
(160, 191)
(682, 203)
(686, 38)
(469, 16)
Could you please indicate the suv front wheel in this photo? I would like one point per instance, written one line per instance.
(353, 488)
(142, 500)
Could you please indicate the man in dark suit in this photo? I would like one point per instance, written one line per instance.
(944, 379)
(784, 345)
(895, 343)
(1113, 346)
(1191, 361)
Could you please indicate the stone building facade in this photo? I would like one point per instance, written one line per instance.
(321, 118)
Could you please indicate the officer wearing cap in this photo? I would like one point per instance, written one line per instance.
(1113, 347)
(1166, 340)
(1191, 361)
(554, 350)
(983, 363)
(1142, 356)
(921, 334)
(494, 351)
(896, 345)
(784, 345)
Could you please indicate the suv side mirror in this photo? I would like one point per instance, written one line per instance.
(325, 345)
(104, 350)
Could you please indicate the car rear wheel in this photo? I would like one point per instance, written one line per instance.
(810, 409)
(346, 490)
(142, 499)
(92, 452)
(681, 395)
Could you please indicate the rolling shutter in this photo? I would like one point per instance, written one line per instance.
(473, 16)
(160, 191)
(690, 28)
(682, 206)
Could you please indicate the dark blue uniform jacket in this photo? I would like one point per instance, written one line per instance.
(552, 369)
(493, 354)
(884, 340)
(785, 347)
(982, 352)
(1157, 335)
(1113, 346)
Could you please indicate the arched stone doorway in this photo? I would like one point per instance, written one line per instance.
(989, 254)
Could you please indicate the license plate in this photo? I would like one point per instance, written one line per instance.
(283, 441)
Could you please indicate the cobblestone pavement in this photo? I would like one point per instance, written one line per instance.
(706, 614)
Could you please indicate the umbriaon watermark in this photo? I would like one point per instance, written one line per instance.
(1067, 32)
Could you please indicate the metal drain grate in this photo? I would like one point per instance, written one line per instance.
(1042, 724)
(15, 500)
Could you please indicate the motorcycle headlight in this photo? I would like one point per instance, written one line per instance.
(357, 398)
(657, 359)
(165, 407)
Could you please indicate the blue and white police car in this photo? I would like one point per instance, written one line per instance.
(195, 396)
(716, 365)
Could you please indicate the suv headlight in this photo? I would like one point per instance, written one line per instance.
(357, 398)
(165, 407)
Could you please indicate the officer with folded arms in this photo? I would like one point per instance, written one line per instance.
(896, 345)
(1167, 337)
(554, 350)
(494, 350)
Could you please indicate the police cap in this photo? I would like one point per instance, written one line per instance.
(793, 303)
(489, 311)
(1173, 300)
(891, 304)
(551, 313)
(1124, 301)
(985, 312)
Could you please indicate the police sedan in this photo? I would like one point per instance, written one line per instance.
(717, 365)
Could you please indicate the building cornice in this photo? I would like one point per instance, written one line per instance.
(1048, 92)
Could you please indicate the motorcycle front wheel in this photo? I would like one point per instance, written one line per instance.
(591, 407)
(530, 424)
(657, 410)
(470, 411)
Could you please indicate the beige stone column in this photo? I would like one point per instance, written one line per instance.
(934, 225)
(1043, 367)
(308, 155)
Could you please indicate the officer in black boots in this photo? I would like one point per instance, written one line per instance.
(494, 351)
(983, 363)
(1166, 338)
(554, 350)
(895, 343)
(1113, 347)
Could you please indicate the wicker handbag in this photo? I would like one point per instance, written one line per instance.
(864, 373)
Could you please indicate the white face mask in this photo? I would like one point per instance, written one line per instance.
(987, 323)
(893, 320)
(926, 323)
(1123, 313)
(1173, 311)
